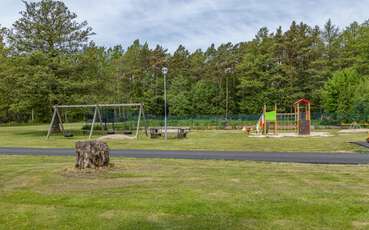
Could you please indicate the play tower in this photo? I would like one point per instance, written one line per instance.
(299, 121)
(303, 118)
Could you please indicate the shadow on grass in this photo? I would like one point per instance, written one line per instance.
(32, 133)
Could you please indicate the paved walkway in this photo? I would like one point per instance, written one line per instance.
(315, 158)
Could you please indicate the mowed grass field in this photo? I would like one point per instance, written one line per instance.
(220, 140)
(47, 193)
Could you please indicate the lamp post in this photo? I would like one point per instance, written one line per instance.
(227, 72)
(165, 72)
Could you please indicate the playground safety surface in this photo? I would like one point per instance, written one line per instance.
(279, 135)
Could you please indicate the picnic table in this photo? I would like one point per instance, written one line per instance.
(178, 132)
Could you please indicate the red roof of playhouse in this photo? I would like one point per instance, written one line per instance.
(302, 101)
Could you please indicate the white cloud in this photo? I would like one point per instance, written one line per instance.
(197, 23)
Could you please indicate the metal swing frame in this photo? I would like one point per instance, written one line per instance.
(97, 116)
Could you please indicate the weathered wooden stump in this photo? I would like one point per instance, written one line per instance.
(92, 154)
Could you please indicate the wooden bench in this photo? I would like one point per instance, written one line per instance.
(178, 132)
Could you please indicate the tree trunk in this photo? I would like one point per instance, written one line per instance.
(92, 154)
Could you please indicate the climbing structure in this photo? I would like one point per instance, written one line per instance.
(299, 122)
(303, 118)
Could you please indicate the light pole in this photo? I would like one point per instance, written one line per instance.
(227, 72)
(165, 72)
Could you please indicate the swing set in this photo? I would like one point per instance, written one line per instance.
(109, 118)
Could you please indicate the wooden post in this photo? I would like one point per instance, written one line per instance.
(298, 119)
(276, 120)
(51, 124)
(100, 119)
(61, 126)
(138, 122)
(308, 115)
(144, 118)
(295, 108)
(93, 123)
(308, 111)
(33, 115)
(265, 122)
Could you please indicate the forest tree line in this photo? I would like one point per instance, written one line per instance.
(48, 57)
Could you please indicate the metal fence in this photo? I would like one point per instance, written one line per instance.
(215, 121)
(239, 120)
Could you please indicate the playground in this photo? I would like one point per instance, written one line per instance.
(175, 115)
(48, 192)
(125, 126)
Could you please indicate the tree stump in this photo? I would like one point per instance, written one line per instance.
(92, 154)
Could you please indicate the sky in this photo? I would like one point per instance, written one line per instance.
(197, 23)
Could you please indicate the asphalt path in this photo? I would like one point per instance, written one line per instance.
(296, 157)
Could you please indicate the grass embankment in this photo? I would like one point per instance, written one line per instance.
(45, 192)
(34, 136)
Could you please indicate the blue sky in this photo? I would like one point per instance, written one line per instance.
(197, 23)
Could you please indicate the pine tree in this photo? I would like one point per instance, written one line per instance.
(330, 36)
(50, 27)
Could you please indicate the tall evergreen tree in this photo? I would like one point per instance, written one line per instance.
(330, 35)
(48, 26)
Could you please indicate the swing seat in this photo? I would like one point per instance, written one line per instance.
(68, 134)
(127, 132)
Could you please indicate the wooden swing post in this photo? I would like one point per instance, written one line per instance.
(265, 122)
(276, 120)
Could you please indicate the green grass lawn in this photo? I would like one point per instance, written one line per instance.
(46, 192)
(34, 136)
